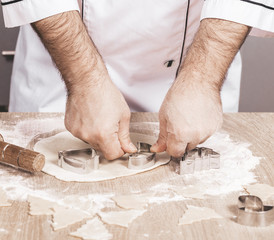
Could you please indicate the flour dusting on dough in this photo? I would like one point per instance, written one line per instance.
(121, 218)
(3, 199)
(94, 229)
(196, 214)
(107, 169)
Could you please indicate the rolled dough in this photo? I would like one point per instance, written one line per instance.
(133, 201)
(263, 191)
(94, 229)
(64, 217)
(3, 199)
(107, 169)
(195, 192)
(196, 214)
(40, 206)
(121, 218)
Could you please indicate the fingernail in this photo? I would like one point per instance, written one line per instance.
(132, 147)
(154, 147)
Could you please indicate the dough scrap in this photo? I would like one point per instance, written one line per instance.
(3, 199)
(107, 169)
(133, 201)
(40, 206)
(195, 192)
(121, 218)
(263, 191)
(63, 217)
(197, 214)
(83, 203)
(94, 229)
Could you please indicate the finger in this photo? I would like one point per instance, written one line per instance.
(203, 139)
(160, 145)
(192, 145)
(111, 147)
(175, 148)
(123, 135)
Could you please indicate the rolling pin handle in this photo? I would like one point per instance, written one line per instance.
(21, 157)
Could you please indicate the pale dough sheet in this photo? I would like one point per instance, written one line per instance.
(263, 191)
(107, 169)
(40, 206)
(121, 218)
(196, 214)
(133, 201)
(64, 217)
(61, 216)
(195, 192)
(3, 199)
(94, 229)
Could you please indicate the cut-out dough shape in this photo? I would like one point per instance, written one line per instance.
(3, 199)
(133, 201)
(263, 191)
(94, 229)
(197, 214)
(78, 202)
(50, 147)
(121, 218)
(64, 217)
(40, 206)
(195, 192)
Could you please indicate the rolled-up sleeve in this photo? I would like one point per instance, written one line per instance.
(254, 13)
(21, 12)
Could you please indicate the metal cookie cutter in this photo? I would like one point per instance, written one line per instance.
(79, 161)
(252, 212)
(199, 159)
(143, 158)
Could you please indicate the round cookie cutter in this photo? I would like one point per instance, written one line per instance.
(252, 212)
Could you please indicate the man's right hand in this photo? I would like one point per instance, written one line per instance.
(100, 116)
(96, 111)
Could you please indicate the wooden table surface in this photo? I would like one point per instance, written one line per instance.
(161, 220)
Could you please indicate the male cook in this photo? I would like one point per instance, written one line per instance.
(145, 54)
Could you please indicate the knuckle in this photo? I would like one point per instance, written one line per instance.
(176, 151)
(127, 116)
(100, 134)
(113, 155)
(191, 146)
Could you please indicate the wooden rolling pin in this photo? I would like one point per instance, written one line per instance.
(21, 157)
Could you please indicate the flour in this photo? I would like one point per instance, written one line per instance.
(21, 133)
(237, 163)
(4, 231)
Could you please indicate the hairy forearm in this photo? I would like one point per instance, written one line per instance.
(72, 50)
(212, 51)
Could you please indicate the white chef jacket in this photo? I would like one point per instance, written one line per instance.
(142, 44)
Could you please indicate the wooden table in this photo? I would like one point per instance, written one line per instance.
(160, 221)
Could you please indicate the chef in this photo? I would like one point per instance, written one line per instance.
(97, 60)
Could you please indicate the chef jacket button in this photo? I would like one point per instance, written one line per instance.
(169, 63)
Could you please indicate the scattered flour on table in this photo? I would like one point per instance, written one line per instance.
(196, 214)
(237, 163)
(93, 229)
(22, 133)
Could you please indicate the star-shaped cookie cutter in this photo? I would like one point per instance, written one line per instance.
(252, 212)
(199, 159)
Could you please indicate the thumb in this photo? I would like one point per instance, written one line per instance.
(160, 145)
(123, 135)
